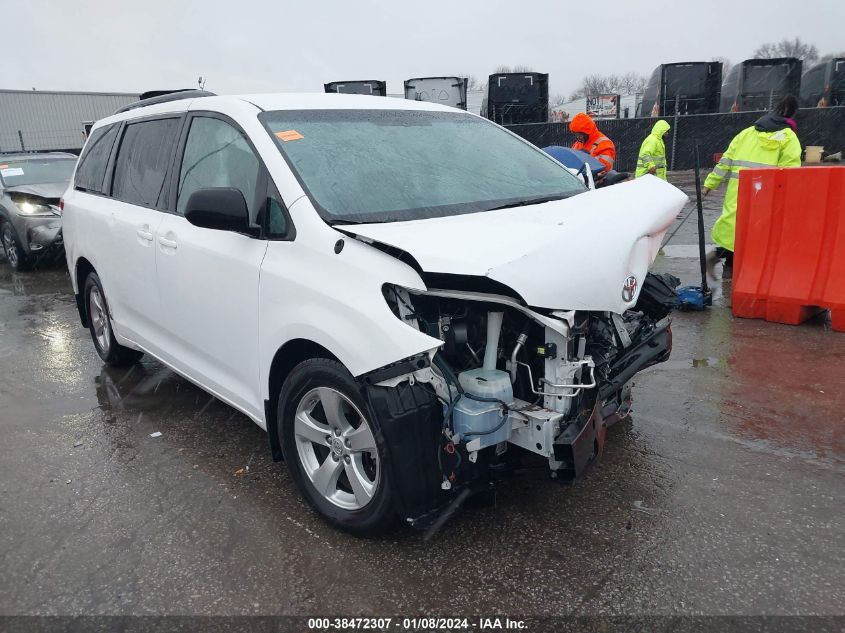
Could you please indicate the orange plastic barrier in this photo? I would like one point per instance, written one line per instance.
(789, 261)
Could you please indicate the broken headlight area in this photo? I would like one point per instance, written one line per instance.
(510, 384)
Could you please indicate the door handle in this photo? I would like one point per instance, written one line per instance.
(145, 234)
(167, 243)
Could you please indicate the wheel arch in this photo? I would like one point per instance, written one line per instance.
(83, 269)
(285, 359)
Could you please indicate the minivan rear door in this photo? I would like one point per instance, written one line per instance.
(138, 195)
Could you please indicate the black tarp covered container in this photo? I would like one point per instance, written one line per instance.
(361, 87)
(758, 84)
(823, 85)
(518, 98)
(694, 87)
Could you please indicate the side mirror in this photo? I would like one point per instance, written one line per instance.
(220, 208)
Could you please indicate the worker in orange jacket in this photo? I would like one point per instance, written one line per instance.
(590, 140)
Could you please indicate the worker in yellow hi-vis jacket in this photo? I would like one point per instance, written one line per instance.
(652, 158)
(770, 142)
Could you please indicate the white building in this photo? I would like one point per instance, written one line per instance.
(51, 120)
(627, 109)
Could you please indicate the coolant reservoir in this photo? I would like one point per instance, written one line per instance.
(471, 417)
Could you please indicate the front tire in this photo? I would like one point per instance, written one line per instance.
(15, 255)
(332, 449)
(99, 323)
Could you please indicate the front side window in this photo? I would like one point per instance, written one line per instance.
(141, 164)
(217, 155)
(276, 222)
(392, 165)
(91, 172)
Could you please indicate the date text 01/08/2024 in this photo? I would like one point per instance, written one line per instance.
(416, 624)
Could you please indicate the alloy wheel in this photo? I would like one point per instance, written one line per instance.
(99, 318)
(10, 246)
(336, 448)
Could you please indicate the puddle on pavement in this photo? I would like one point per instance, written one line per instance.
(45, 280)
(697, 363)
(709, 362)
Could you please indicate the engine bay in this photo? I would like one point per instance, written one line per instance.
(509, 380)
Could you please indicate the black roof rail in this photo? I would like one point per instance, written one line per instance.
(165, 97)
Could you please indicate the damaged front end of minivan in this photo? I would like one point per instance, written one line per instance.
(508, 382)
(544, 315)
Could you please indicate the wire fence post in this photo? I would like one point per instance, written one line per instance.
(20, 136)
(675, 131)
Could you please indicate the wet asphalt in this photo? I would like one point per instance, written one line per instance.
(725, 494)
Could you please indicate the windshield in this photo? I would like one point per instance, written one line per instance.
(36, 171)
(392, 165)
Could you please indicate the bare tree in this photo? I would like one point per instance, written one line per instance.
(557, 100)
(473, 82)
(829, 56)
(519, 68)
(726, 64)
(595, 84)
(788, 48)
(629, 83)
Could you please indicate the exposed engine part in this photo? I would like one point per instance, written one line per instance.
(480, 415)
(494, 328)
(561, 320)
(621, 331)
(547, 350)
(658, 297)
(453, 333)
(559, 372)
(520, 342)
(546, 382)
(535, 428)
(573, 389)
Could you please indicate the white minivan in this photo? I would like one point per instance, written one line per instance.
(410, 299)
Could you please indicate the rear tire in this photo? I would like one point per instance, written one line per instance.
(332, 449)
(18, 260)
(99, 323)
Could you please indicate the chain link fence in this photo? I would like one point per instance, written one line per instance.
(42, 140)
(816, 126)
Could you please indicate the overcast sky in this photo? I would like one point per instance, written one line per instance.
(293, 45)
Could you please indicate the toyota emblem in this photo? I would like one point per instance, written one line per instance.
(629, 289)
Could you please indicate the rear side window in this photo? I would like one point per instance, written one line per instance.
(141, 165)
(91, 171)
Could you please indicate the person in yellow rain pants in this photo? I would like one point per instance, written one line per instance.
(770, 142)
(652, 158)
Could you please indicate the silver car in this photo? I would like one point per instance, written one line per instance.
(30, 219)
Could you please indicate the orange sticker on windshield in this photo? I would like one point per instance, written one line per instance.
(289, 135)
(3, 166)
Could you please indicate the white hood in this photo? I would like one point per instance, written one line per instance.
(572, 254)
